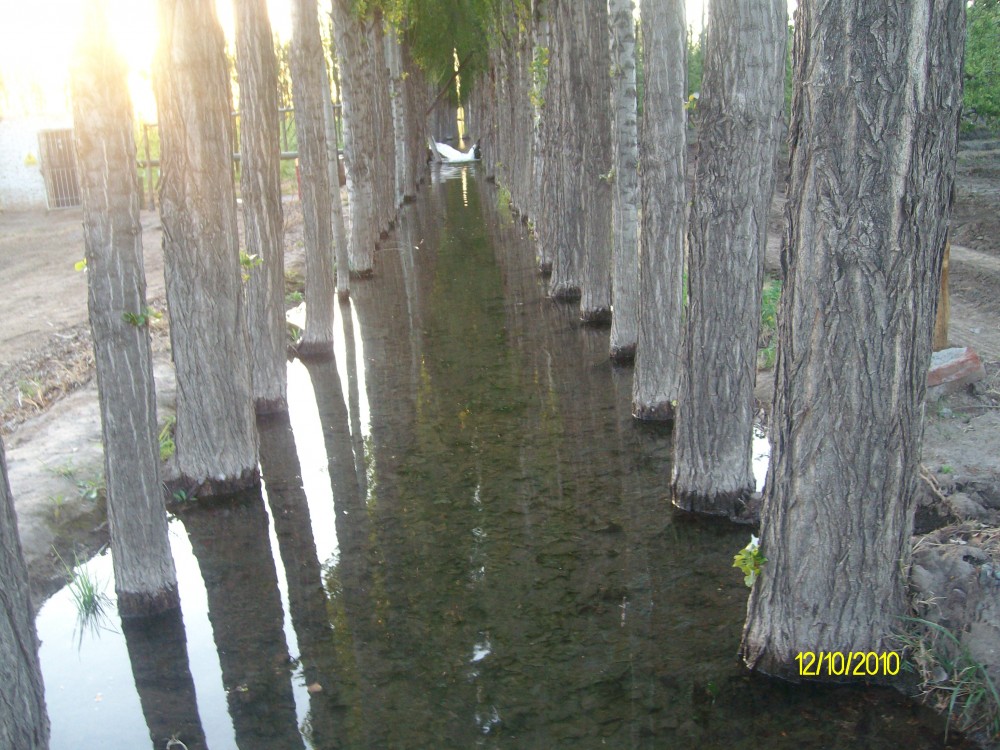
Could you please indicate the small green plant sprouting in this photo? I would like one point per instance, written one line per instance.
(539, 77)
(65, 470)
(750, 560)
(31, 392)
(294, 298)
(767, 338)
(92, 489)
(142, 318)
(248, 263)
(80, 265)
(950, 677)
(166, 438)
(57, 502)
(947, 469)
(183, 496)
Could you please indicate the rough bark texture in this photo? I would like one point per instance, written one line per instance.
(873, 133)
(394, 62)
(592, 97)
(216, 440)
(661, 251)
(625, 188)
(260, 187)
(351, 43)
(102, 112)
(23, 720)
(415, 89)
(579, 140)
(742, 95)
(309, 90)
(511, 142)
(385, 153)
(336, 207)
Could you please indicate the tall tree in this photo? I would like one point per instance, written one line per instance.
(216, 439)
(742, 93)
(260, 187)
(873, 132)
(594, 108)
(582, 238)
(350, 42)
(625, 188)
(23, 722)
(394, 63)
(102, 112)
(661, 252)
(309, 87)
(336, 206)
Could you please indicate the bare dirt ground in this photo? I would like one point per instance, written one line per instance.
(48, 404)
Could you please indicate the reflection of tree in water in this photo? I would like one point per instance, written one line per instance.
(306, 596)
(466, 557)
(230, 542)
(157, 650)
(352, 608)
(651, 611)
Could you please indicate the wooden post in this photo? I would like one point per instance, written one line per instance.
(944, 303)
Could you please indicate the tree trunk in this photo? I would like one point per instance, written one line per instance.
(742, 95)
(566, 233)
(260, 186)
(661, 251)
(23, 720)
(625, 188)
(394, 61)
(309, 87)
(359, 127)
(416, 128)
(336, 207)
(216, 439)
(102, 112)
(581, 231)
(385, 152)
(873, 132)
(592, 96)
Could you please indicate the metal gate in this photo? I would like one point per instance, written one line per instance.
(58, 163)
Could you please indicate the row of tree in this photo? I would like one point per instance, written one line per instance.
(873, 128)
(872, 137)
(216, 294)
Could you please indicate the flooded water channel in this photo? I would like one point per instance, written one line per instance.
(462, 541)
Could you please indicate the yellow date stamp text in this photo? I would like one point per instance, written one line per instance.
(848, 664)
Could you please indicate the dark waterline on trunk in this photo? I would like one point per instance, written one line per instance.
(463, 539)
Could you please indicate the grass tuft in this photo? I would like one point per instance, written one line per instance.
(951, 680)
(89, 598)
(767, 340)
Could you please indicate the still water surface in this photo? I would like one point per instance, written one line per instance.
(462, 541)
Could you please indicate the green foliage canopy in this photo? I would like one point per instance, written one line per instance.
(437, 30)
(982, 62)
